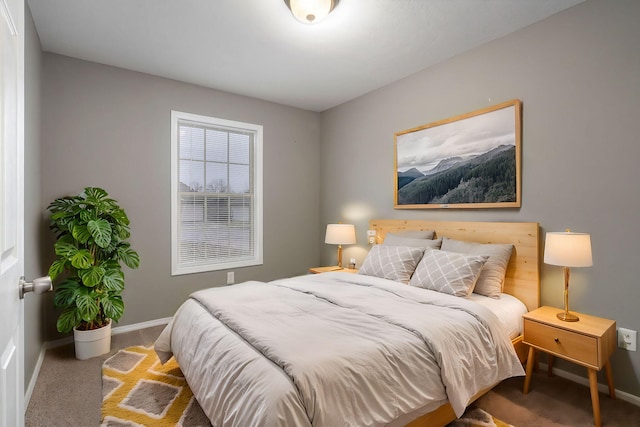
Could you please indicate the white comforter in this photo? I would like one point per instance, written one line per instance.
(334, 349)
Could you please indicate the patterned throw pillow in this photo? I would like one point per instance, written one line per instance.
(491, 280)
(391, 262)
(448, 272)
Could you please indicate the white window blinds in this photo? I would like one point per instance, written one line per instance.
(216, 194)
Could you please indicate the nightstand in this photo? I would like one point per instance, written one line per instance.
(317, 270)
(589, 342)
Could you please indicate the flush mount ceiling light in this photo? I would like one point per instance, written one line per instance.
(310, 11)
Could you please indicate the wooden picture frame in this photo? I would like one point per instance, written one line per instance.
(468, 161)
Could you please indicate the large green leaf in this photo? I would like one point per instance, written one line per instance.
(113, 307)
(81, 233)
(57, 216)
(113, 281)
(81, 259)
(128, 255)
(88, 214)
(95, 195)
(100, 230)
(109, 252)
(64, 249)
(92, 276)
(66, 293)
(68, 320)
(56, 268)
(66, 206)
(120, 217)
(62, 203)
(122, 231)
(88, 307)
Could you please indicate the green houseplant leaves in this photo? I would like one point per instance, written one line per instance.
(92, 232)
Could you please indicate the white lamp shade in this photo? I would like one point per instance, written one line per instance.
(568, 249)
(340, 234)
(310, 11)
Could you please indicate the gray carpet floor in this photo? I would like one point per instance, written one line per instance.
(68, 392)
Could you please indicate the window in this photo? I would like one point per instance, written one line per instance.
(216, 194)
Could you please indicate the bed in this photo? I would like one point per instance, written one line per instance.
(352, 349)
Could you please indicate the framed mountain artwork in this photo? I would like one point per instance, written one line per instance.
(468, 161)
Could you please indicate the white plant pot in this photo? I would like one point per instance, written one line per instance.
(92, 343)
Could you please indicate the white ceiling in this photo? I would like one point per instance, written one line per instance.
(256, 47)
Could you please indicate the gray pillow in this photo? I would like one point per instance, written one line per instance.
(396, 240)
(491, 280)
(415, 234)
(391, 262)
(448, 272)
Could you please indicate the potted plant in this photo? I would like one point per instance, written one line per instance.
(92, 232)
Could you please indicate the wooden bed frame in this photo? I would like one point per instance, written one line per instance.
(522, 279)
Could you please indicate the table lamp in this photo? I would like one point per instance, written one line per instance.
(340, 234)
(567, 249)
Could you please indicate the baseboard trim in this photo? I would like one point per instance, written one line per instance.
(34, 377)
(114, 331)
(142, 325)
(69, 339)
(602, 388)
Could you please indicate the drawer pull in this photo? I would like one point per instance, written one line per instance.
(557, 340)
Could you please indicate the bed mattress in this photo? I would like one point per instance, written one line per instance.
(508, 309)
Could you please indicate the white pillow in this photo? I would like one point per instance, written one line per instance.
(396, 240)
(391, 262)
(491, 280)
(448, 272)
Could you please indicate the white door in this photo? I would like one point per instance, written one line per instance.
(11, 211)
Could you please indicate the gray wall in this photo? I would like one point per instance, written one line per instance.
(577, 73)
(33, 304)
(578, 76)
(107, 127)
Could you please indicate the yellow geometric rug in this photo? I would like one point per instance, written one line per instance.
(137, 391)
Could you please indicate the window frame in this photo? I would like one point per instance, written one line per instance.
(178, 117)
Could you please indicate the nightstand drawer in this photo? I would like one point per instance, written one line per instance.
(580, 348)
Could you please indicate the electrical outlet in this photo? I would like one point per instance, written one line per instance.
(230, 278)
(371, 236)
(627, 339)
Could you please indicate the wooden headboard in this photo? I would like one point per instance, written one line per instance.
(523, 273)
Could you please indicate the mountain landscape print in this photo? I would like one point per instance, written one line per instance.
(470, 161)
